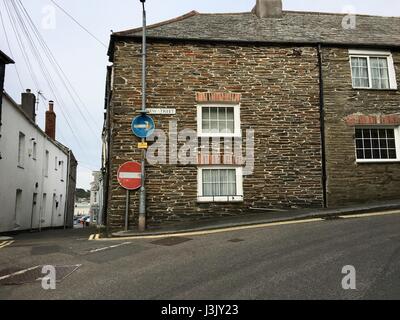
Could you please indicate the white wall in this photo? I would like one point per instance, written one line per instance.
(30, 178)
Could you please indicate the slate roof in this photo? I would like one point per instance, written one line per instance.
(5, 59)
(292, 27)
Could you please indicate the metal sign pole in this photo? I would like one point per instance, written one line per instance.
(142, 199)
(127, 211)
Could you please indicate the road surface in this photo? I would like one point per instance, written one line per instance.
(296, 261)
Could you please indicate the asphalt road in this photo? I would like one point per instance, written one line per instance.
(299, 261)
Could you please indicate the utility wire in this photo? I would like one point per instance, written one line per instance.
(21, 47)
(11, 51)
(18, 20)
(57, 68)
(78, 23)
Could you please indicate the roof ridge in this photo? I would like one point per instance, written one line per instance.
(338, 13)
(159, 24)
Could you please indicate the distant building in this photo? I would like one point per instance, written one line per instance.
(82, 209)
(96, 197)
(37, 173)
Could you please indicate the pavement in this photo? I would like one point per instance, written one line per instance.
(302, 259)
(257, 216)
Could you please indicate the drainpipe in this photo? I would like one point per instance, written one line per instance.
(67, 191)
(322, 125)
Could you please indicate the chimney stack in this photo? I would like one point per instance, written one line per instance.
(50, 126)
(28, 104)
(268, 9)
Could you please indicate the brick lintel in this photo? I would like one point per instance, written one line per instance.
(361, 119)
(218, 97)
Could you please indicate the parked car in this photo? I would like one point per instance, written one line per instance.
(84, 219)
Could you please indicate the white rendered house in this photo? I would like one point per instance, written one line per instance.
(37, 173)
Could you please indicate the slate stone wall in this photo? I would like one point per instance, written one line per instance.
(348, 181)
(279, 99)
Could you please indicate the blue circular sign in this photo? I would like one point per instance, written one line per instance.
(143, 126)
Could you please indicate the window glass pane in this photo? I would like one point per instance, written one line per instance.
(214, 126)
(379, 73)
(392, 154)
(214, 114)
(219, 182)
(366, 133)
(230, 114)
(368, 144)
(391, 144)
(359, 144)
(360, 72)
(231, 126)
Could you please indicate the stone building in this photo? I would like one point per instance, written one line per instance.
(310, 98)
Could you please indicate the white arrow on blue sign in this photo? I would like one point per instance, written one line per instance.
(143, 126)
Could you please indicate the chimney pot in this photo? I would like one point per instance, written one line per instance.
(268, 8)
(50, 125)
(28, 104)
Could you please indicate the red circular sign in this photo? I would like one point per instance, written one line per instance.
(130, 175)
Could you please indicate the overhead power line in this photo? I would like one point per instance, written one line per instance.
(78, 23)
(59, 71)
(19, 27)
(11, 51)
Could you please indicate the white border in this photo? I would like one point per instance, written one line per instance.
(368, 54)
(236, 117)
(239, 185)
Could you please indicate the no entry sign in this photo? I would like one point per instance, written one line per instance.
(130, 175)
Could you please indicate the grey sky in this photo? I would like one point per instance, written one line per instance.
(84, 60)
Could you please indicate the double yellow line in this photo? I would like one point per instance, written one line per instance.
(6, 244)
(94, 237)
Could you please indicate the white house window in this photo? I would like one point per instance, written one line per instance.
(34, 150)
(220, 184)
(372, 70)
(46, 164)
(62, 170)
(377, 144)
(21, 150)
(56, 163)
(218, 120)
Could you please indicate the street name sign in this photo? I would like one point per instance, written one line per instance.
(130, 175)
(161, 111)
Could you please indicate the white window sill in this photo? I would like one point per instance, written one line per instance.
(378, 161)
(220, 199)
(375, 89)
(219, 135)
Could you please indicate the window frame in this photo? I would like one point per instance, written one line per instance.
(396, 139)
(236, 119)
(239, 185)
(374, 54)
